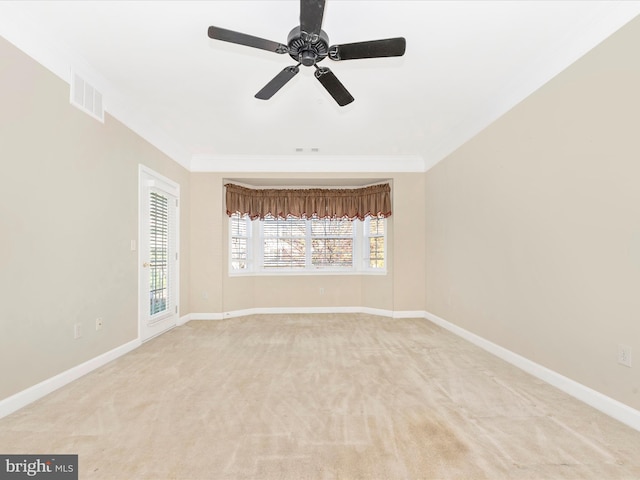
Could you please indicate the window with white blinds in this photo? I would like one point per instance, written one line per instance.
(375, 234)
(159, 253)
(295, 245)
(332, 242)
(284, 243)
(240, 229)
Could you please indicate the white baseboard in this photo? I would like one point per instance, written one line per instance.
(409, 314)
(303, 310)
(607, 405)
(39, 390)
(289, 310)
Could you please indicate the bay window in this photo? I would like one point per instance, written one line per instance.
(311, 231)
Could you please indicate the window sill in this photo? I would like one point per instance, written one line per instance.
(306, 273)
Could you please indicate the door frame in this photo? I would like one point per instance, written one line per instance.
(148, 178)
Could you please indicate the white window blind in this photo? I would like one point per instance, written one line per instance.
(375, 234)
(284, 243)
(159, 250)
(239, 247)
(332, 243)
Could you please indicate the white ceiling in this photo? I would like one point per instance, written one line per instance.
(466, 63)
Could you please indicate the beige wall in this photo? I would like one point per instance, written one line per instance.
(214, 291)
(68, 211)
(533, 226)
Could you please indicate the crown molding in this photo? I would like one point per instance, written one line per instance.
(307, 163)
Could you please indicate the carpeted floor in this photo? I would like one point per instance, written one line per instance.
(320, 397)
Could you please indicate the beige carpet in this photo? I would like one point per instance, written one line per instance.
(320, 397)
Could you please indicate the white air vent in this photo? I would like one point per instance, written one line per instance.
(86, 97)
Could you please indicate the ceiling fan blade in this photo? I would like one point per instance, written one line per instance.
(389, 47)
(333, 86)
(311, 12)
(230, 36)
(277, 83)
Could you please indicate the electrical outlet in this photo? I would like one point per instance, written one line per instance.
(77, 330)
(624, 355)
(99, 323)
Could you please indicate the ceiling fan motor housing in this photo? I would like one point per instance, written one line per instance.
(308, 49)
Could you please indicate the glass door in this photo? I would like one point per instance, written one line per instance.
(159, 255)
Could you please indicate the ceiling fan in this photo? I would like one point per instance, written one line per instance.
(308, 45)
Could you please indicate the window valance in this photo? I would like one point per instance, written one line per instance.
(372, 201)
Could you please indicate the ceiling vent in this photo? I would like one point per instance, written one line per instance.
(86, 97)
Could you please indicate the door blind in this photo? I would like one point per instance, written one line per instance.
(159, 253)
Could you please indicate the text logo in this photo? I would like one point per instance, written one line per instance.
(49, 467)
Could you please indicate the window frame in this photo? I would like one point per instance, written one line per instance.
(261, 238)
(360, 264)
(248, 240)
(366, 244)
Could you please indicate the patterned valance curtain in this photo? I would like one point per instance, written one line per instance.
(352, 203)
